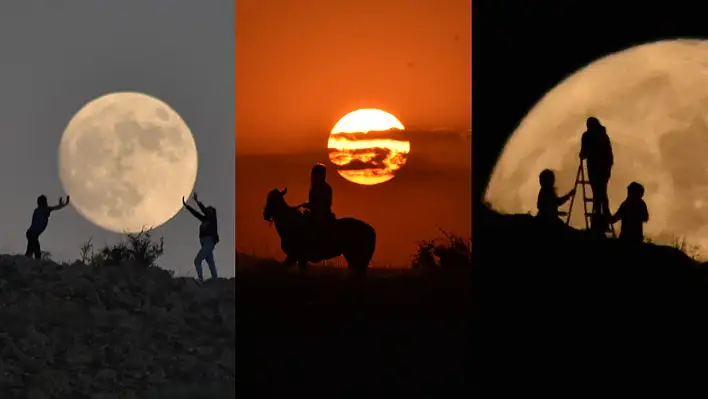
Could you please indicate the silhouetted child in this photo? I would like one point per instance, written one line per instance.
(40, 219)
(633, 213)
(548, 201)
(208, 236)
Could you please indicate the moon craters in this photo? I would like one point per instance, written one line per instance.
(162, 114)
(127, 159)
(683, 152)
(653, 99)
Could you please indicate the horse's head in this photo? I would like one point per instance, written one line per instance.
(274, 203)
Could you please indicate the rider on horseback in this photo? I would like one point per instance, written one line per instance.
(319, 203)
(302, 237)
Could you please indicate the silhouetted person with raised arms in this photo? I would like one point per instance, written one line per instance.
(548, 200)
(40, 219)
(596, 150)
(208, 236)
(633, 213)
(319, 204)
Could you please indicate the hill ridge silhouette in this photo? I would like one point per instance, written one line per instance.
(73, 330)
(588, 311)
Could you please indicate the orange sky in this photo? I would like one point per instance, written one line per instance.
(300, 65)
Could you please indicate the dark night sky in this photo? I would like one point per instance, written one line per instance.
(56, 56)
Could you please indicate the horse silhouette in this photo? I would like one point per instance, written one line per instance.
(353, 238)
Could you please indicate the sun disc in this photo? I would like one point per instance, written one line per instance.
(367, 120)
(367, 160)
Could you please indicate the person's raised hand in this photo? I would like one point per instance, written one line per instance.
(195, 196)
(67, 199)
(61, 201)
(183, 201)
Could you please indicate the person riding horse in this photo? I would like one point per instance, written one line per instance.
(319, 213)
(352, 238)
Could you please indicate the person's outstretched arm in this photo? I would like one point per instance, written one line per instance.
(199, 204)
(562, 200)
(618, 215)
(61, 204)
(193, 211)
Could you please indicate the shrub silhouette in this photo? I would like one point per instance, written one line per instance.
(136, 248)
(690, 249)
(453, 252)
(46, 256)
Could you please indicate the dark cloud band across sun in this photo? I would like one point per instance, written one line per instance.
(367, 161)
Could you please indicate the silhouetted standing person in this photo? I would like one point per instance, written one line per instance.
(40, 219)
(548, 200)
(319, 202)
(208, 236)
(596, 150)
(633, 213)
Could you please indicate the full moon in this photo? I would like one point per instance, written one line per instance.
(358, 146)
(127, 159)
(653, 100)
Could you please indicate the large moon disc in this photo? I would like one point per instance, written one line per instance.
(653, 99)
(127, 159)
(358, 146)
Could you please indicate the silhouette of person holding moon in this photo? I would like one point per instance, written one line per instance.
(40, 220)
(208, 236)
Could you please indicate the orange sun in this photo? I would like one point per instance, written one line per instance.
(364, 146)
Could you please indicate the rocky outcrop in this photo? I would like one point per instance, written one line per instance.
(76, 331)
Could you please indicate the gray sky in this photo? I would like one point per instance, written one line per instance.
(57, 55)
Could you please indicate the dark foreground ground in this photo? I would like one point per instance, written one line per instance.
(396, 333)
(563, 313)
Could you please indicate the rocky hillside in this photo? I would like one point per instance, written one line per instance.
(76, 331)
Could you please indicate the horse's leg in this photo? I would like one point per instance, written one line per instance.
(357, 267)
(289, 260)
(302, 265)
(358, 270)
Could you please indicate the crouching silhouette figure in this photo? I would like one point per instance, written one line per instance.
(40, 220)
(633, 213)
(353, 238)
(548, 200)
(208, 236)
